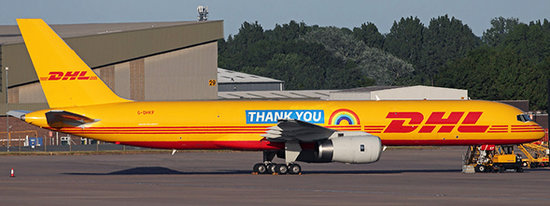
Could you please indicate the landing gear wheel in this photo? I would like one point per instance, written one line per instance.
(270, 167)
(260, 168)
(282, 169)
(294, 169)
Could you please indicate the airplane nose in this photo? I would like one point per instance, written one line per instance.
(544, 133)
(541, 132)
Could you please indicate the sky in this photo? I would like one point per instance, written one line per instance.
(475, 13)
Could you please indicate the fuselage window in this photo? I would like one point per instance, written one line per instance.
(362, 148)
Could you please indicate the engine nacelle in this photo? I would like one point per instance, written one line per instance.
(351, 149)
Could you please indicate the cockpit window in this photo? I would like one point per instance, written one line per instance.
(524, 118)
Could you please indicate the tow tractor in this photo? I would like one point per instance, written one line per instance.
(489, 158)
(500, 158)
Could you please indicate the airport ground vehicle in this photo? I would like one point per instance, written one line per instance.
(536, 154)
(493, 158)
(489, 158)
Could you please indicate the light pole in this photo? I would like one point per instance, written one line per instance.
(7, 117)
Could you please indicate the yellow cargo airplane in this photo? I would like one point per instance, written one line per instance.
(309, 131)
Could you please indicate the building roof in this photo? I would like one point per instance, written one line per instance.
(10, 33)
(228, 76)
(380, 88)
(287, 94)
(368, 89)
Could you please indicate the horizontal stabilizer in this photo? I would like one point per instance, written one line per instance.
(60, 119)
(18, 113)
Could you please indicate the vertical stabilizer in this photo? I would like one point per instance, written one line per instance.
(66, 80)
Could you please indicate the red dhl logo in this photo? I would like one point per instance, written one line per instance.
(436, 119)
(71, 75)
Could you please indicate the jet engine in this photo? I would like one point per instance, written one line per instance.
(350, 149)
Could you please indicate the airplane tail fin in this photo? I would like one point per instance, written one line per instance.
(66, 80)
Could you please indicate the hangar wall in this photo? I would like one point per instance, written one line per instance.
(174, 75)
(141, 61)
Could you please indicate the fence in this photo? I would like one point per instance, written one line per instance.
(29, 141)
(67, 148)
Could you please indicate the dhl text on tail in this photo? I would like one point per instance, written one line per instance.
(310, 131)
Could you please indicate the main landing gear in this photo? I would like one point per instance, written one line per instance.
(268, 167)
(282, 169)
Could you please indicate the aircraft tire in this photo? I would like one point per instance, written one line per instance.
(260, 168)
(294, 169)
(270, 167)
(282, 169)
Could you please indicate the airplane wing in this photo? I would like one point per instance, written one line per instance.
(60, 118)
(292, 130)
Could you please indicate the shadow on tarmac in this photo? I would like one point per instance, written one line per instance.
(384, 171)
(158, 171)
(168, 171)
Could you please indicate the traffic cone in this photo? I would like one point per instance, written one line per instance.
(12, 174)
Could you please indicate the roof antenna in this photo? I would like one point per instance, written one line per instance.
(203, 13)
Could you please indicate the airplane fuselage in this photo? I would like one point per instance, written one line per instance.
(239, 124)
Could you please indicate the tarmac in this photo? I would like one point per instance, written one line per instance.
(401, 177)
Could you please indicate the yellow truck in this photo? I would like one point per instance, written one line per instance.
(493, 158)
(536, 155)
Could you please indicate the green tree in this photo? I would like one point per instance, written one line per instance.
(369, 34)
(496, 74)
(531, 41)
(500, 27)
(405, 39)
(281, 54)
(376, 64)
(288, 32)
(445, 39)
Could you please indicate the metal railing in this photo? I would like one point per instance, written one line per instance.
(29, 141)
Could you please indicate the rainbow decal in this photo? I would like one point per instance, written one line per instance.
(338, 116)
